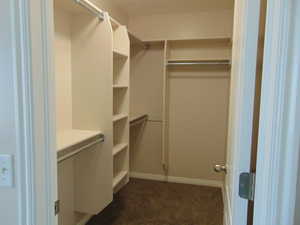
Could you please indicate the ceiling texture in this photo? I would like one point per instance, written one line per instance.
(151, 7)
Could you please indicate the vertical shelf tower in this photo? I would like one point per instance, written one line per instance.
(120, 151)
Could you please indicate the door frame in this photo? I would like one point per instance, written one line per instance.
(278, 151)
(34, 24)
(242, 94)
(32, 27)
(279, 139)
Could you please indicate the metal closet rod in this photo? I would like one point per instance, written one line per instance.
(91, 7)
(100, 14)
(225, 62)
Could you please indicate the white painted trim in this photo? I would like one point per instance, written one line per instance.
(195, 181)
(23, 112)
(278, 146)
(34, 87)
(148, 176)
(227, 210)
(242, 92)
(182, 180)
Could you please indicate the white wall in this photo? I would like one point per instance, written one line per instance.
(9, 197)
(146, 97)
(63, 73)
(185, 25)
(146, 86)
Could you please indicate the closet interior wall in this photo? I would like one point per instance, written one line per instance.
(197, 96)
(146, 82)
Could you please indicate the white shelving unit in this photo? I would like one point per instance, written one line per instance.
(120, 177)
(120, 86)
(120, 151)
(118, 53)
(81, 115)
(119, 148)
(118, 117)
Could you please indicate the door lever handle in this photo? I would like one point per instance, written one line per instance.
(220, 168)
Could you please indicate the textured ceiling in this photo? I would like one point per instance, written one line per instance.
(150, 7)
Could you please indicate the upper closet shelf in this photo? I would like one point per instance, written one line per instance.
(184, 62)
(119, 54)
(135, 40)
(71, 142)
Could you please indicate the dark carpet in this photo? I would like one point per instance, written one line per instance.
(144, 202)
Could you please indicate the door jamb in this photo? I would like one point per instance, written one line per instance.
(34, 90)
(278, 147)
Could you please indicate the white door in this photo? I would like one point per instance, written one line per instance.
(243, 74)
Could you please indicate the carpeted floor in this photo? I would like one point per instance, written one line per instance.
(144, 202)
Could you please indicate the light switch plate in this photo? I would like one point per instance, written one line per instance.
(6, 170)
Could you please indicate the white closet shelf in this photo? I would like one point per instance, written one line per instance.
(119, 117)
(69, 142)
(118, 53)
(119, 148)
(120, 86)
(138, 119)
(119, 178)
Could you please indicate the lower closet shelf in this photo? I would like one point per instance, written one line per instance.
(138, 119)
(119, 148)
(71, 142)
(119, 178)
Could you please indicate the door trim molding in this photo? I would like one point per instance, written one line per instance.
(278, 146)
(34, 93)
(240, 125)
(227, 210)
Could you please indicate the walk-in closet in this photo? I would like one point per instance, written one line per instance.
(142, 106)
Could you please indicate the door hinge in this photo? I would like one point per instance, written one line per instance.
(247, 186)
(56, 207)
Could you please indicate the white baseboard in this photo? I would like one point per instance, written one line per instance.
(172, 179)
(148, 176)
(84, 219)
(227, 209)
(195, 181)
